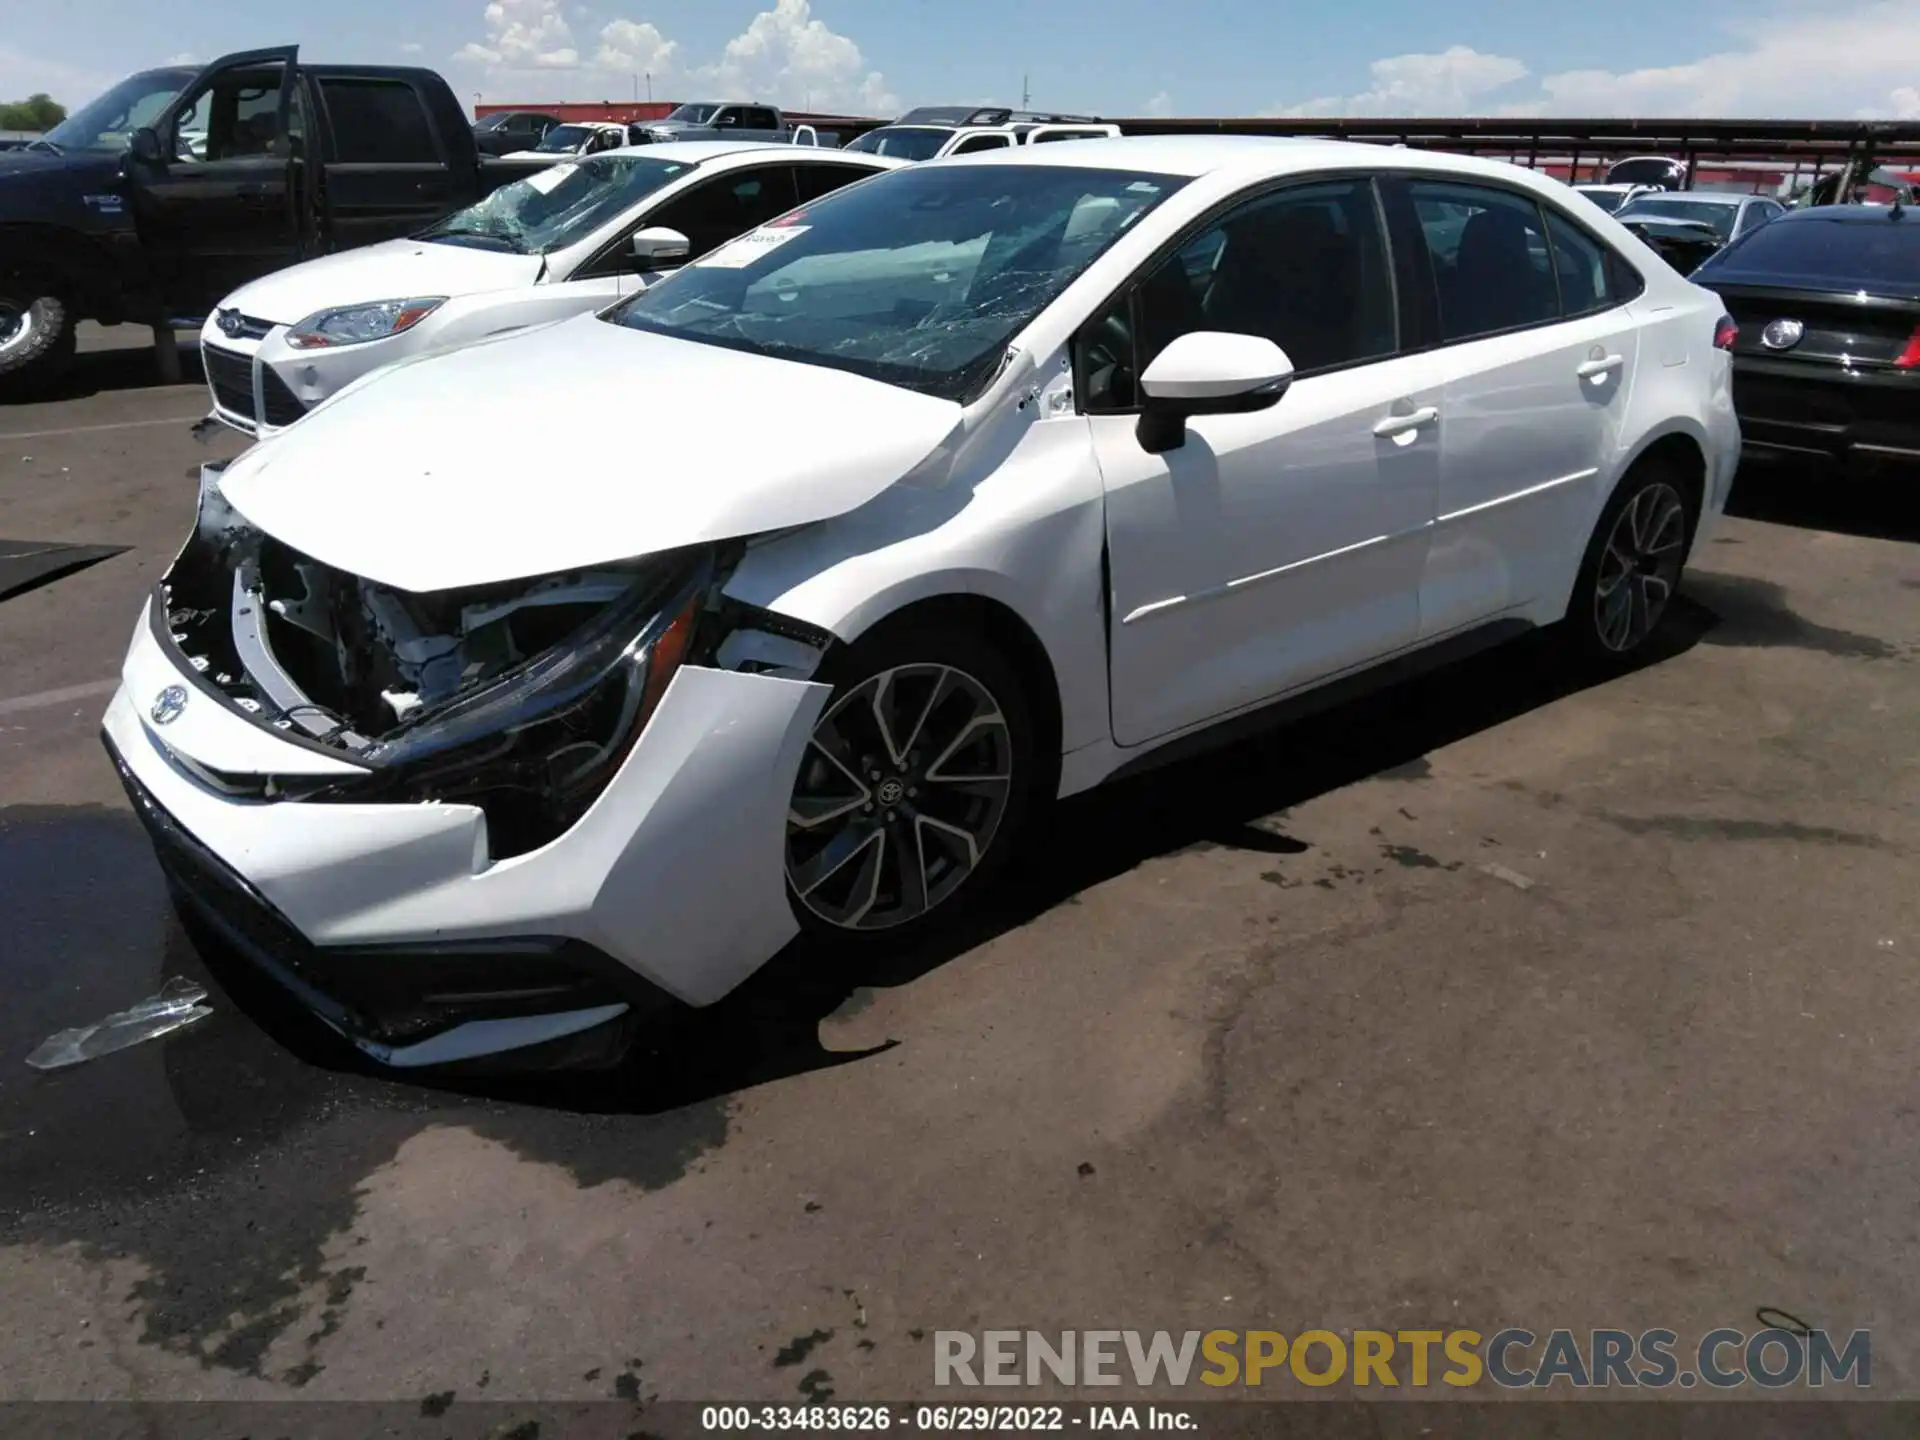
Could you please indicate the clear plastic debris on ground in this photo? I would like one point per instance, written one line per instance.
(177, 1005)
(1512, 877)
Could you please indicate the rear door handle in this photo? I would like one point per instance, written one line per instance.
(1590, 368)
(1403, 424)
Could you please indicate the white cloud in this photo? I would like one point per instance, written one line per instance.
(411, 47)
(185, 57)
(788, 57)
(634, 49)
(1846, 59)
(785, 56)
(1160, 104)
(524, 35)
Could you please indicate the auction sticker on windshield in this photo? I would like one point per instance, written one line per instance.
(740, 253)
(550, 179)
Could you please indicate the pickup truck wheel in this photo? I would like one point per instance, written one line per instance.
(36, 333)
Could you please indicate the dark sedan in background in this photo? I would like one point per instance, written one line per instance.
(1827, 363)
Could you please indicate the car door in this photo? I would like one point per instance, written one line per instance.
(215, 213)
(1277, 548)
(1538, 360)
(384, 174)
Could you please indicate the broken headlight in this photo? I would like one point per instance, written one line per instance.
(535, 747)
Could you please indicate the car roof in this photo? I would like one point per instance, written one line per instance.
(1699, 197)
(698, 152)
(1850, 215)
(1250, 155)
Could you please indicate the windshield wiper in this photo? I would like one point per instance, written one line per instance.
(44, 144)
(458, 233)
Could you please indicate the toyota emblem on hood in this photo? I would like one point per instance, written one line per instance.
(168, 704)
(1782, 334)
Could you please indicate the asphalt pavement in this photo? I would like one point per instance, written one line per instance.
(1495, 1000)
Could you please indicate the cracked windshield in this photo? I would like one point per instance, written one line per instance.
(553, 208)
(919, 284)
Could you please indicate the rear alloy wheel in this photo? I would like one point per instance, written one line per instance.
(910, 789)
(1632, 567)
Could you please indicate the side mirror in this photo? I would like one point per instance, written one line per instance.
(143, 144)
(657, 246)
(1208, 372)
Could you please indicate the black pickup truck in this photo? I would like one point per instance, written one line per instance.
(156, 200)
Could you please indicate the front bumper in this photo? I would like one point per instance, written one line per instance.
(260, 385)
(392, 922)
(1863, 421)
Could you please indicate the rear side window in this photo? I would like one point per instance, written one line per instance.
(378, 122)
(762, 120)
(980, 142)
(1492, 262)
(1815, 252)
(1580, 264)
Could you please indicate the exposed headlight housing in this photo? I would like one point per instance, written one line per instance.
(357, 324)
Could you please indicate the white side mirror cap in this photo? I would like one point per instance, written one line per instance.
(657, 245)
(1212, 365)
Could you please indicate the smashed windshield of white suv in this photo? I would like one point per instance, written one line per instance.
(917, 278)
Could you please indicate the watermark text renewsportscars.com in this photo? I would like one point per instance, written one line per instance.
(1513, 1359)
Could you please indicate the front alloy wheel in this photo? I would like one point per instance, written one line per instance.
(905, 786)
(1639, 568)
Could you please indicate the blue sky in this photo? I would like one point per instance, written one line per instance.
(1840, 58)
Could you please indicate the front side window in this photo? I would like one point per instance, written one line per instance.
(1304, 267)
(1492, 268)
(713, 213)
(920, 279)
(556, 207)
(378, 122)
(692, 114)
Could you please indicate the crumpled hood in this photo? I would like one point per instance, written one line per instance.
(393, 270)
(420, 477)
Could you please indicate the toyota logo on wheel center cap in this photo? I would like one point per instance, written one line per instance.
(891, 792)
(1782, 334)
(168, 704)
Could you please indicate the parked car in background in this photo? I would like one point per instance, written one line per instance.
(1827, 364)
(572, 237)
(1728, 216)
(936, 139)
(1611, 197)
(577, 137)
(179, 184)
(808, 576)
(716, 120)
(506, 131)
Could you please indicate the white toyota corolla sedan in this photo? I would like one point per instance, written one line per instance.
(836, 554)
(567, 239)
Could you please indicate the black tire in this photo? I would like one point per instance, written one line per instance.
(1632, 566)
(36, 334)
(926, 800)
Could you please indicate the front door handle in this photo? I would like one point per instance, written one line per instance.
(1601, 365)
(1395, 425)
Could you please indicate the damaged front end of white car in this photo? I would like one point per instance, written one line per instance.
(514, 703)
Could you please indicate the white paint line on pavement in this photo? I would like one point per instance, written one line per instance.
(58, 697)
(96, 429)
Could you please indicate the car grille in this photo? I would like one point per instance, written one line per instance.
(280, 406)
(230, 377)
